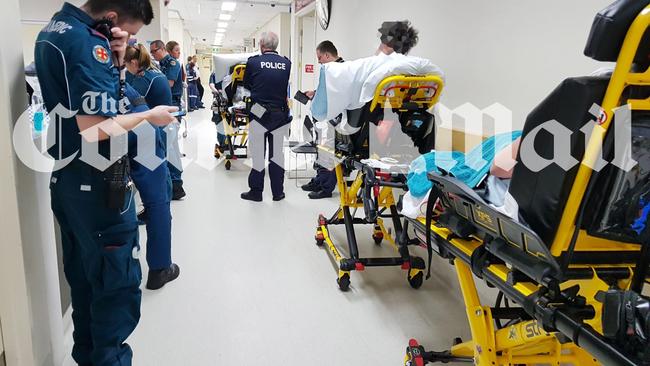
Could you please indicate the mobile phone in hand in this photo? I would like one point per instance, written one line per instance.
(301, 97)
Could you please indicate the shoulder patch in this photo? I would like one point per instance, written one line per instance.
(101, 54)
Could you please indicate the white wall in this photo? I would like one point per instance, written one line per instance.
(154, 30)
(15, 304)
(513, 52)
(29, 32)
(280, 25)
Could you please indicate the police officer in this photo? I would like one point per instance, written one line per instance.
(154, 185)
(78, 68)
(172, 68)
(267, 78)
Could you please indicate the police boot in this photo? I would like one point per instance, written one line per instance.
(251, 196)
(178, 192)
(158, 278)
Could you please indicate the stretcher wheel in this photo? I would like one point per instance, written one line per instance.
(416, 281)
(228, 165)
(378, 235)
(344, 282)
(320, 242)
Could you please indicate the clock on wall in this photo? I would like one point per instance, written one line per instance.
(323, 11)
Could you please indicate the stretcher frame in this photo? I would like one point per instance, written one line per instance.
(372, 190)
(559, 323)
(236, 126)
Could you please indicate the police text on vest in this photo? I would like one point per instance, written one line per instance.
(273, 65)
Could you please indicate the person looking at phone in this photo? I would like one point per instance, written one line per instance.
(155, 185)
(324, 183)
(76, 56)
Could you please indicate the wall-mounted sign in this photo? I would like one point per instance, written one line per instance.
(301, 4)
(309, 68)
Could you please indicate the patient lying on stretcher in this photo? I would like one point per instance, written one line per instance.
(487, 168)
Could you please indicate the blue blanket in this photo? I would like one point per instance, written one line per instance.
(469, 167)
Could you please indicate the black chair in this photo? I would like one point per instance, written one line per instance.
(305, 149)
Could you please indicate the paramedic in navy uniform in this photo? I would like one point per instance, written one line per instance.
(267, 78)
(77, 67)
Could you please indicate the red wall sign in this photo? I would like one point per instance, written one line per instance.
(309, 69)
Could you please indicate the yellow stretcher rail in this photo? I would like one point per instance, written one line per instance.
(406, 92)
(238, 73)
(621, 79)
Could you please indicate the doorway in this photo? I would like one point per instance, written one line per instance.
(307, 62)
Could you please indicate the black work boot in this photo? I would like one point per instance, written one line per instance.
(251, 196)
(178, 192)
(319, 194)
(310, 187)
(158, 278)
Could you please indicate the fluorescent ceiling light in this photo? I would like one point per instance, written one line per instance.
(228, 6)
(222, 25)
(225, 16)
(221, 30)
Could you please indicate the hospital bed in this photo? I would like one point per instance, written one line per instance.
(235, 121)
(573, 267)
(372, 189)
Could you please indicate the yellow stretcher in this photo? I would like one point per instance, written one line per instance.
(235, 124)
(563, 287)
(372, 189)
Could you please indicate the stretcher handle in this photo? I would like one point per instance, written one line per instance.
(585, 337)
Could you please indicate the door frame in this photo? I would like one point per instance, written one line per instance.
(296, 55)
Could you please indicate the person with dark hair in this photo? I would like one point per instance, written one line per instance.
(76, 56)
(324, 183)
(327, 52)
(398, 37)
(166, 55)
(154, 185)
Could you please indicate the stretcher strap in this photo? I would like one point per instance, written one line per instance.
(434, 194)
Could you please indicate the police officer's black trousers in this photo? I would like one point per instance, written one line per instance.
(272, 130)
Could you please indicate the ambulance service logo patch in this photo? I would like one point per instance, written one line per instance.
(101, 54)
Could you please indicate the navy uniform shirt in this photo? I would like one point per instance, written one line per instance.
(172, 69)
(75, 71)
(153, 85)
(267, 78)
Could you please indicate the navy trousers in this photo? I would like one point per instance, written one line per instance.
(155, 189)
(100, 256)
(270, 130)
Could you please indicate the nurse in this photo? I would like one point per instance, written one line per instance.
(154, 185)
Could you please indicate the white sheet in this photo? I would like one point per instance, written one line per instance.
(350, 85)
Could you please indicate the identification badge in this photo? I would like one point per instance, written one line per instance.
(101, 54)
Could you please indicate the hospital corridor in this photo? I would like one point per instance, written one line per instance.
(324, 182)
